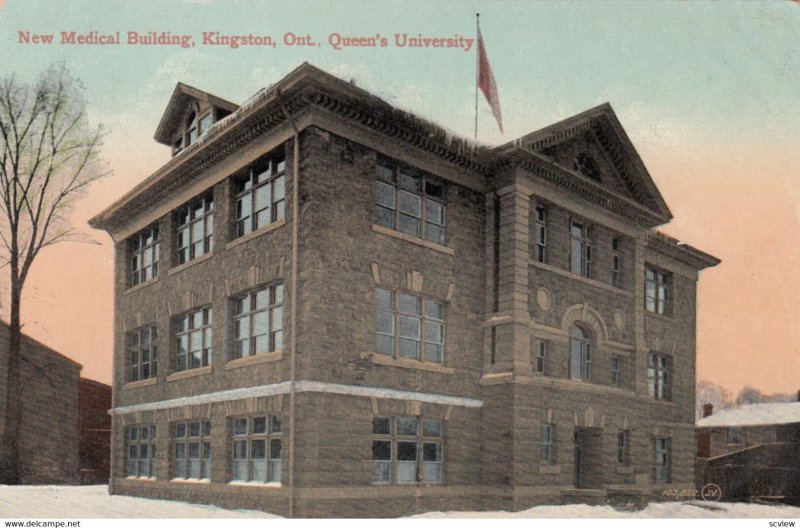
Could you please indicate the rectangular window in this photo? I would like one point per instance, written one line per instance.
(408, 326)
(195, 229)
(616, 259)
(658, 376)
(399, 443)
(622, 447)
(663, 462)
(191, 447)
(143, 248)
(193, 339)
(770, 435)
(658, 291)
(258, 322)
(580, 359)
(733, 435)
(541, 356)
(142, 353)
(410, 202)
(541, 233)
(261, 194)
(546, 452)
(580, 249)
(141, 451)
(257, 449)
(615, 364)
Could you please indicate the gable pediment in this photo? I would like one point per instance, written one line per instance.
(184, 100)
(594, 146)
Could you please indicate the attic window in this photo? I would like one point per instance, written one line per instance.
(586, 165)
(193, 128)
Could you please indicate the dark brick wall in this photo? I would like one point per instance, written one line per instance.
(95, 431)
(49, 433)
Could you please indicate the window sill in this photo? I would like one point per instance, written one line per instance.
(414, 240)
(255, 484)
(656, 315)
(145, 479)
(191, 373)
(255, 234)
(581, 278)
(198, 260)
(141, 285)
(140, 383)
(551, 469)
(191, 481)
(264, 357)
(380, 359)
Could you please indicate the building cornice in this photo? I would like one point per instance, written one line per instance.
(575, 183)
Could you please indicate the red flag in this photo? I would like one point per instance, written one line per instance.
(487, 83)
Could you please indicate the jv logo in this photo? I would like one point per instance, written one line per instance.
(711, 492)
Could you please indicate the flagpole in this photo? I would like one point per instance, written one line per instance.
(477, 70)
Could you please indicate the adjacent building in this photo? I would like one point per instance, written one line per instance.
(49, 432)
(94, 449)
(751, 452)
(326, 306)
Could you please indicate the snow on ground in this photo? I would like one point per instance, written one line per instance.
(94, 502)
(657, 510)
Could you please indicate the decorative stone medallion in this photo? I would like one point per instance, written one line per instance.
(619, 319)
(544, 299)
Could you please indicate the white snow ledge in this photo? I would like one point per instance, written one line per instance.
(300, 386)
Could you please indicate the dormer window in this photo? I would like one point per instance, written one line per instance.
(193, 128)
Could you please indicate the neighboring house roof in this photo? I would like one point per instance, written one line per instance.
(29, 341)
(756, 414)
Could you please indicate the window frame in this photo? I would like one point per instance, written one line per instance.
(658, 291)
(616, 263)
(659, 376)
(185, 439)
(134, 439)
(389, 176)
(145, 243)
(273, 467)
(151, 344)
(185, 139)
(421, 441)
(266, 174)
(205, 218)
(273, 310)
(425, 324)
(542, 349)
(547, 454)
(541, 234)
(584, 352)
(188, 330)
(616, 369)
(580, 244)
(662, 463)
(733, 435)
(623, 447)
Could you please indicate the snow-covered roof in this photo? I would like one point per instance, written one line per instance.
(756, 414)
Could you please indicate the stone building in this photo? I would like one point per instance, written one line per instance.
(326, 306)
(50, 416)
(751, 452)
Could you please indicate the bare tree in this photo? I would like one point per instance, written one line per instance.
(708, 392)
(48, 155)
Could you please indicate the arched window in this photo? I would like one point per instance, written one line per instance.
(580, 358)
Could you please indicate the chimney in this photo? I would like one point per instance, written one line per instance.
(708, 408)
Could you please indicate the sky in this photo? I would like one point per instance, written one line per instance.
(707, 91)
